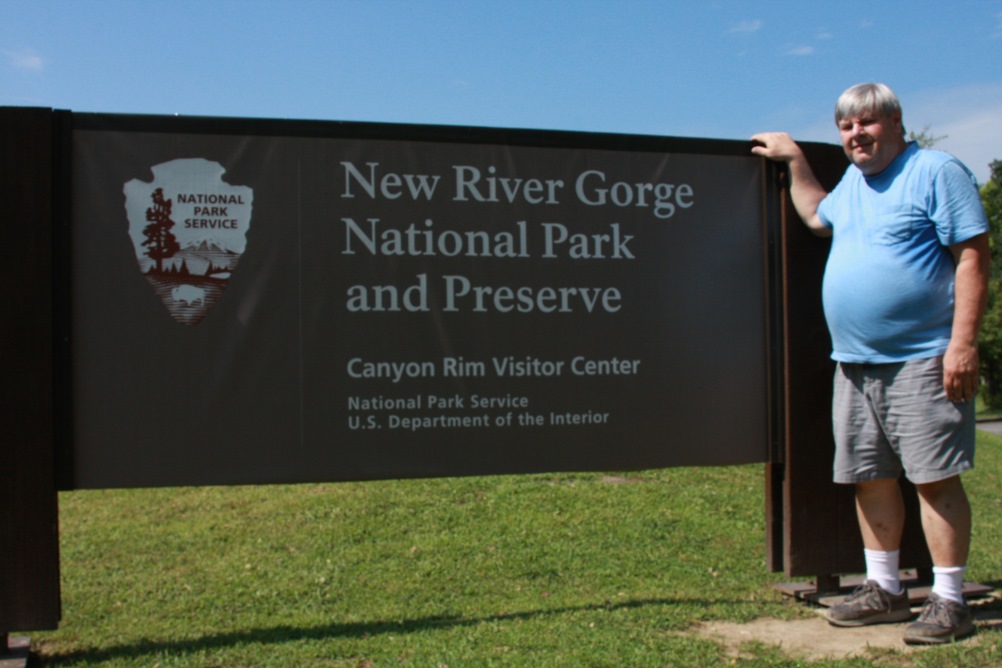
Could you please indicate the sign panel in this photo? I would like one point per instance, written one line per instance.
(284, 306)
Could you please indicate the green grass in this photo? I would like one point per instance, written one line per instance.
(986, 413)
(535, 571)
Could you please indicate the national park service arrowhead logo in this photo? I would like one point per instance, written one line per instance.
(189, 229)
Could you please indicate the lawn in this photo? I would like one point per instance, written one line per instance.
(545, 570)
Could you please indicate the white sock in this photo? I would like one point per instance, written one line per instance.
(882, 568)
(948, 582)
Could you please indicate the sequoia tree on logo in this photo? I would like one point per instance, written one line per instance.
(162, 244)
(189, 229)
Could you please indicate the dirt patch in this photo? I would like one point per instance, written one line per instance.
(806, 638)
(816, 639)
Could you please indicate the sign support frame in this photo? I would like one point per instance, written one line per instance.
(29, 534)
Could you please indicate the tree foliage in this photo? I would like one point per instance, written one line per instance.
(990, 347)
(925, 138)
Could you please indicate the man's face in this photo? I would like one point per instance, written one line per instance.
(872, 141)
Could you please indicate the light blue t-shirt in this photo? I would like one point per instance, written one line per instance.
(888, 284)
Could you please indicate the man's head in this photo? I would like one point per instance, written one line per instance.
(868, 117)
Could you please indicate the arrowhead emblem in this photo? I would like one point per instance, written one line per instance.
(188, 228)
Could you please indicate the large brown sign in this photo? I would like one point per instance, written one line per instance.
(282, 302)
(198, 301)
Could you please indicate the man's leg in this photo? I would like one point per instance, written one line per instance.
(881, 512)
(946, 521)
(880, 509)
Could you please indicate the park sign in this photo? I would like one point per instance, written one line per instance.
(200, 301)
(280, 301)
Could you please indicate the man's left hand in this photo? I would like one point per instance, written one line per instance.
(961, 372)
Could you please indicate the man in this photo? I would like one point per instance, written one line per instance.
(904, 291)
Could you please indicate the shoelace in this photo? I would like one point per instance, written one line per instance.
(865, 591)
(938, 612)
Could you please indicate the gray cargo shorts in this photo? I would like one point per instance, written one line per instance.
(893, 417)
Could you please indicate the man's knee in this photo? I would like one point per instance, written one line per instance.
(951, 485)
(880, 488)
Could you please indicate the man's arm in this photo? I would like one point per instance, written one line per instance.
(805, 190)
(961, 365)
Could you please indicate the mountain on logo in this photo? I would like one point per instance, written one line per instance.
(207, 244)
(206, 257)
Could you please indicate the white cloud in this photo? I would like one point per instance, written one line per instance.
(968, 117)
(975, 137)
(25, 59)
(747, 26)
(800, 51)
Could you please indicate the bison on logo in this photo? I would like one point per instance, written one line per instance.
(189, 229)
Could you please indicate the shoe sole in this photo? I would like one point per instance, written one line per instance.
(964, 631)
(883, 618)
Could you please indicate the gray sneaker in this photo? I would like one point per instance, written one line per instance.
(941, 621)
(870, 604)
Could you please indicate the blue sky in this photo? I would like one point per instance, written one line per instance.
(722, 69)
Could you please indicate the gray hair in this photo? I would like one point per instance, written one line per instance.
(867, 98)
